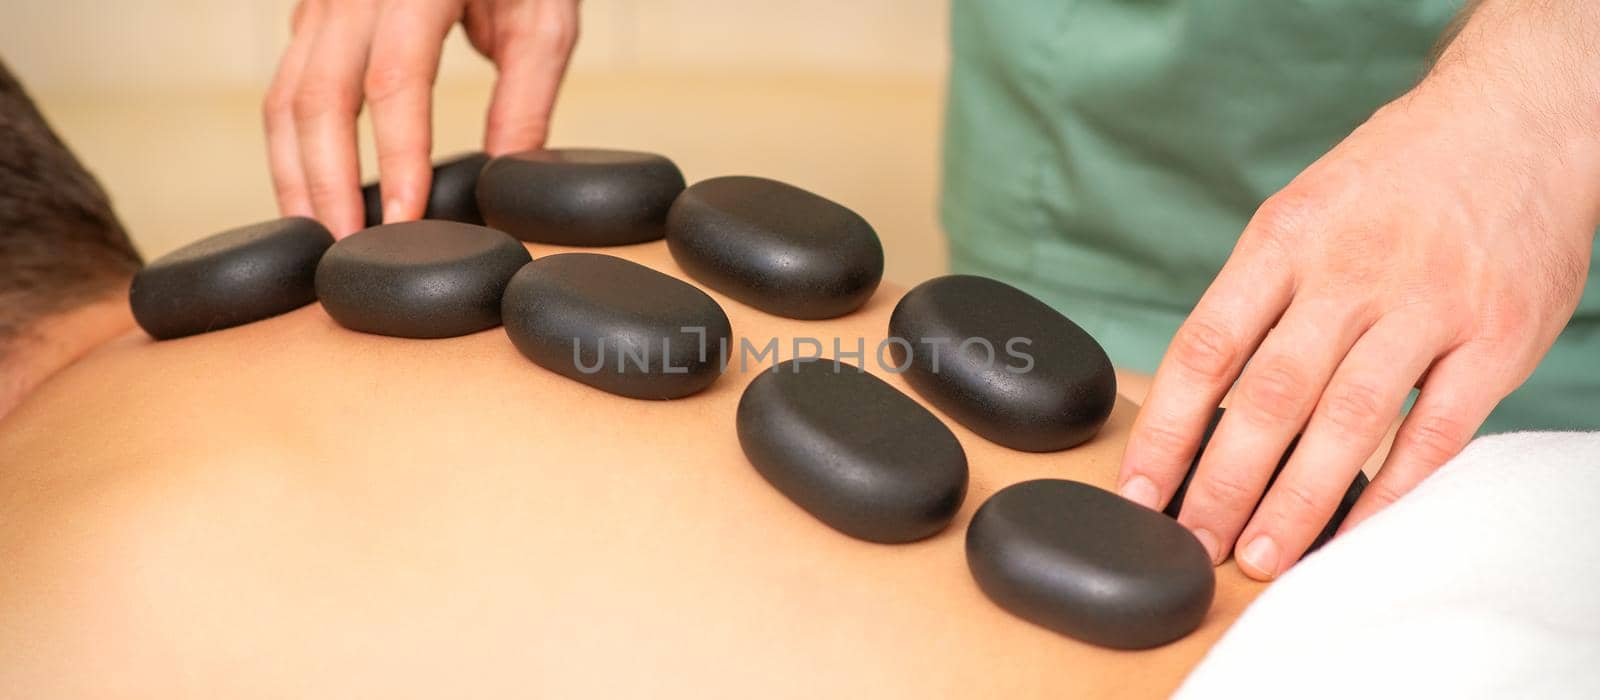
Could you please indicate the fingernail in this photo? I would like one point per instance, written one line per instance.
(1141, 490)
(1260, 558)
(1209, 541)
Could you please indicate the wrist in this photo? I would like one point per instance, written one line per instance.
(1529, 73)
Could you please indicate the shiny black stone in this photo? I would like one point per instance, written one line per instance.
(1089, 564)
(852, 450)
(1351, 495)
(1002, 363)
(617, 326)
(775, 247)
(419, 279)
(229, 279)
(579, 197)
(453, 196)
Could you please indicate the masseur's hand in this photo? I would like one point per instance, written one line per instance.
(386, 53)
(1443, 245)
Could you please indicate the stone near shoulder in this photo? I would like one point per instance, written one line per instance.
(229, 279)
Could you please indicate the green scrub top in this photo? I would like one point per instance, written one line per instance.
(1104, 155)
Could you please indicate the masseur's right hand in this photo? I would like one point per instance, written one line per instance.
(385, 53)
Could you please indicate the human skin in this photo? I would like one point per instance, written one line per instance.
(385, 54)
(1443, 245)
(293, 509)
(55, 342)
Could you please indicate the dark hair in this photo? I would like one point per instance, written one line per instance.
(61, 246)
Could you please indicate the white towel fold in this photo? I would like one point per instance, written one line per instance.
(1484, 582)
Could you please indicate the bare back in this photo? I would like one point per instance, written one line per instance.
(293, 509)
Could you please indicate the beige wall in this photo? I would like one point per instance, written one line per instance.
(843, 97)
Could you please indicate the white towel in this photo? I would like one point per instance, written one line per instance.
(1483, 582)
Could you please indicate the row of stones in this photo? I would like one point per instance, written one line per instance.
(842, 444)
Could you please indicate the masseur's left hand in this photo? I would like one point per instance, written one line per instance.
(385, 53)
(1443, 245)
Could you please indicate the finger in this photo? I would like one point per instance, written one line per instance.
(1202, 361)
(398, 87)
(325, 109)
(1457, 396)
(1276, 395)
(1366, 393)
(533, 41)
(277, 112)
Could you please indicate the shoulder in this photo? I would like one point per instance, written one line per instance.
(111, 557)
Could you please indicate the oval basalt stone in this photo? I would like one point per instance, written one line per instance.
(852, 450)
(774, 246)
(229, 279)
(1002, 363)
(1089, 564)
(617, 326)
(1347, 502)
(419, 279)
(452, 196)
(579, 196)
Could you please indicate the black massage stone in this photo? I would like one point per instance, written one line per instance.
(1349, 501)
(617, 326)
(775, 247)
(452, 197)
(579, 197)
(1002, 363)
(419, 279)
(852, 450)
(229, 279)
(1089, 564)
